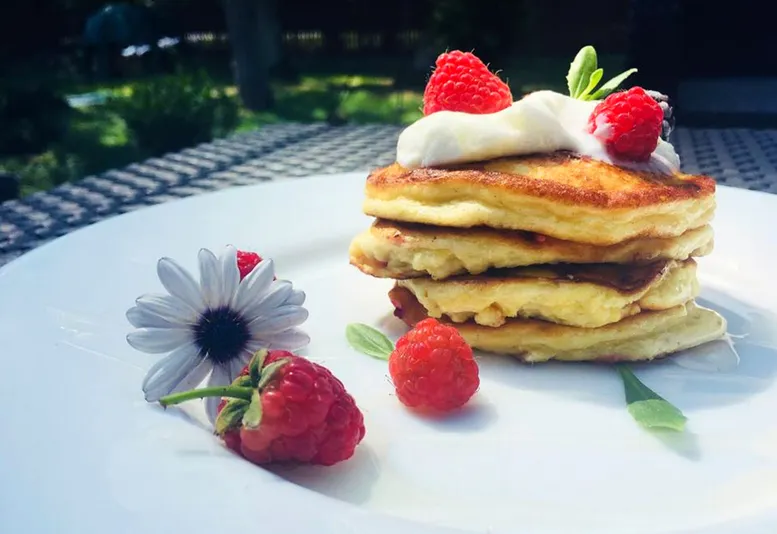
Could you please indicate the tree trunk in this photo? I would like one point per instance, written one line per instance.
(269, 30)
(251, 25)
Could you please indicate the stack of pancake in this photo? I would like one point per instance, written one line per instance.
(545, 257)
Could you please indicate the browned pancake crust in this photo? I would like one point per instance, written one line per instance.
(402, 234)
(526, 339)
(561, 177)
(625, 279)
(411, 312)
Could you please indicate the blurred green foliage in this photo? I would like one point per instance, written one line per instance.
(154, 115)
(168, 114)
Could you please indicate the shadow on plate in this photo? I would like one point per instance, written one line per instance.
(684, 444)
(350, 481)
(730, 372)
(477, 415)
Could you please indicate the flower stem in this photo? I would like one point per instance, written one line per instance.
(234, 392)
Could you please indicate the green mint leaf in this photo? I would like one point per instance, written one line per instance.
(647, 407)
(654, 413)
(580, 70)
(635, 390)
(253, 415)
(230, 416)
(611, 85)
(369, 341)
(593, 81)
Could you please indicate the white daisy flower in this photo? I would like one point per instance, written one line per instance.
(213, 327)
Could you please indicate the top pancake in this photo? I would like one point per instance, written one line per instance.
(559, 195)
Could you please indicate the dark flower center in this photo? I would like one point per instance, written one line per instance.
(221, 334)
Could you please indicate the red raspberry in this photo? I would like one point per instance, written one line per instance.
(246, 261)
(433, 369)
(307, 417)
(461, 82)
(629, 124)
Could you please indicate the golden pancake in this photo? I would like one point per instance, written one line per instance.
(644, 336)
(559, 195)
(404, 250)
(587, 296)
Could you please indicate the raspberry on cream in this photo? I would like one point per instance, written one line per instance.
(541, 122)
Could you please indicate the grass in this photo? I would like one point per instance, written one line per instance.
(97, 140)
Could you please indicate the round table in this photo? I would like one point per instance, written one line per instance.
(735, 157)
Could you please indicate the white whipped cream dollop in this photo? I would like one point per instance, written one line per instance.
(541, 122)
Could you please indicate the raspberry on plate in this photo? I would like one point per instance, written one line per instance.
(433, 369)
(628, 123)
(247, 262)
(284, 408)
(462, 82)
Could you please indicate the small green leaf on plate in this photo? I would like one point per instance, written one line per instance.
(596, 77)
(580, 70)
(369, 341)
(611, 85)
(647, 407)
(654, 413)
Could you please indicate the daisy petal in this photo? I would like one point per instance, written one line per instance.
(195, 376)
(219, 377)
(291, 340)
(253, 285)
(167, 307)
(237, 365)
(255, 345)
(135, 318)
(158, 340)
(297, 298)
(230, 276)
(210, 282)
(179, 283)
(173, 359)
(165, 375)
(140, 318)
(278, 293)
(283, 318)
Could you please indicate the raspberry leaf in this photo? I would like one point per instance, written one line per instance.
(611, 85)
(580, 71)
(231, 415)
(593, 81)
(253, 415)
(243, 381)
(647, 407)
(368, 341)
(269, 372)
(255, 366)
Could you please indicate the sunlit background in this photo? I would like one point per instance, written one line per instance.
(89, 86)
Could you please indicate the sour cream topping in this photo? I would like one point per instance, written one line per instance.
(541, 122)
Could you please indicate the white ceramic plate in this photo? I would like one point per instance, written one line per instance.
(543, 449)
